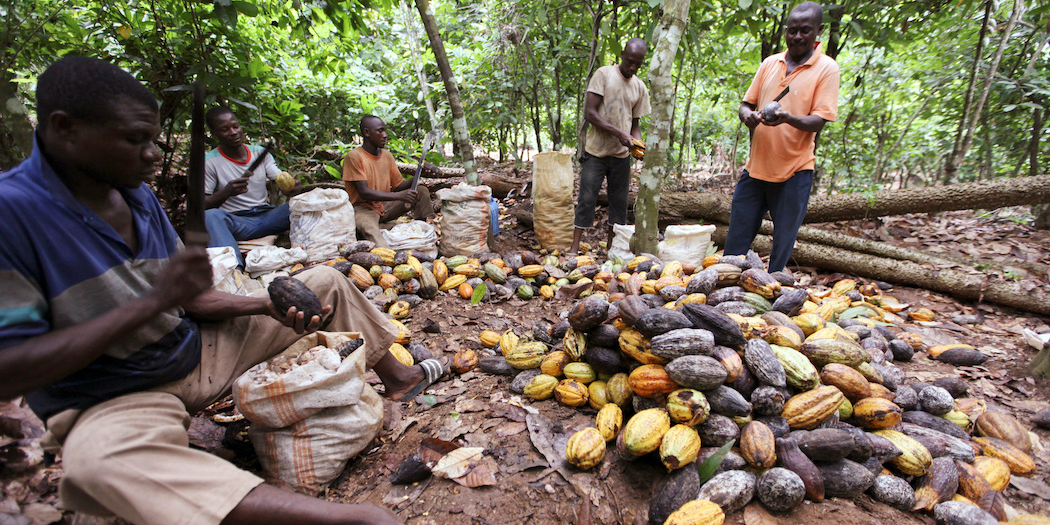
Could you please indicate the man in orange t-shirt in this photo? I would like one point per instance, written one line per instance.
(377, 190)
(779, 173)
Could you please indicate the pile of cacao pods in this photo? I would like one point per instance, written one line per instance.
(397, 281)
(802, 381)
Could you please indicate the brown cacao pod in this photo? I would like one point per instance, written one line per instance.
(874, 413)
(758, 446)
(852, 384)
(1004, 427)
(289, 292)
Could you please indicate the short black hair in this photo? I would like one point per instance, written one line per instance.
(216, 112)
(365, 119)
(810, 9)
(86, 88)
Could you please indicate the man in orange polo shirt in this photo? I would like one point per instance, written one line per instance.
(779, 173)
(377, 190)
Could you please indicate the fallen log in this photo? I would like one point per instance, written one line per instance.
(410, 169)
(958, 282)
(983, 195)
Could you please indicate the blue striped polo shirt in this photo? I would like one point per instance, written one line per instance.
(62, 265)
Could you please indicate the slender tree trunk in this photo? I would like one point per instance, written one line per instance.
(951, 164)
(647, 207)
(461, 135)
(597, 14)
(1033, 143)
(417, 61)
(687, 128)
(16, 132)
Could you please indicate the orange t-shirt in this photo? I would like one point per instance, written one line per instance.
(380, 172)
(777, 152)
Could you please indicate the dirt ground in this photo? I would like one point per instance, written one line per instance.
(477, 409)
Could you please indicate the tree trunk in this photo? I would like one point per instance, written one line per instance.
(647, 208)
(461, 135)
(962, 284)
(421, 75)
(972, 112)
(16, 132)
(986, 195)
(1040, 365)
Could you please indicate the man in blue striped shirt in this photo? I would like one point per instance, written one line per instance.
(111, 331)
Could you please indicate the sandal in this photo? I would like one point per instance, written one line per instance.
(433, 370)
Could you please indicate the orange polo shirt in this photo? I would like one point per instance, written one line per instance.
(380, 172)
(777, 152)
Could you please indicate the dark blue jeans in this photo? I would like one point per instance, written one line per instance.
(786, 202)
(593, 170)
(226, 228)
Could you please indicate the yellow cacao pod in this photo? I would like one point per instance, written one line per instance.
(813, 407)
(401, 353)
(440, 272)
(404, 335)
(399, 310)
(452, 282)
(688, 406)
(915, 459)
(541, 387)
(679, 447)
(285, 181)
(581, 372)
(994, 470)
(599, 394)
(571, 392)
(585, 448)
(1020, 463)
(554, 363)
(697, 512)
(508, 342)
(527, 355)
(644, 432)
(489, 338)
(386, 254)
(609, 421)
(619, 388)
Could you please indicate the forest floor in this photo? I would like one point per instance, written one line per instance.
(477, 409)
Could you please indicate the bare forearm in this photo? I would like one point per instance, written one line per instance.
(213, 305)
(812, 123)
(215, 199)
(48, 358)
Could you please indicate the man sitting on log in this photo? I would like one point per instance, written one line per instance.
(236, 198)
(110, 328)
(377, 190)
(779, 172)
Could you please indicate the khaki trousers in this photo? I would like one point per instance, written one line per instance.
(369, 223)
(130, 456)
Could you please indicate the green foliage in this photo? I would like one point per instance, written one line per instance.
(304, 72)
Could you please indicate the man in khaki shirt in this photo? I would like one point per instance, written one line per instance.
(616, 101)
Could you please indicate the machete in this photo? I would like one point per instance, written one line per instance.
(196, 233)
(427, 142)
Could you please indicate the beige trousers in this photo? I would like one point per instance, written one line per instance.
(130, 456)
(369, 223)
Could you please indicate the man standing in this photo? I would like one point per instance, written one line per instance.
(616, 100)
(236, 199)
(377, 190)
(779, 172)
(110, 329)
